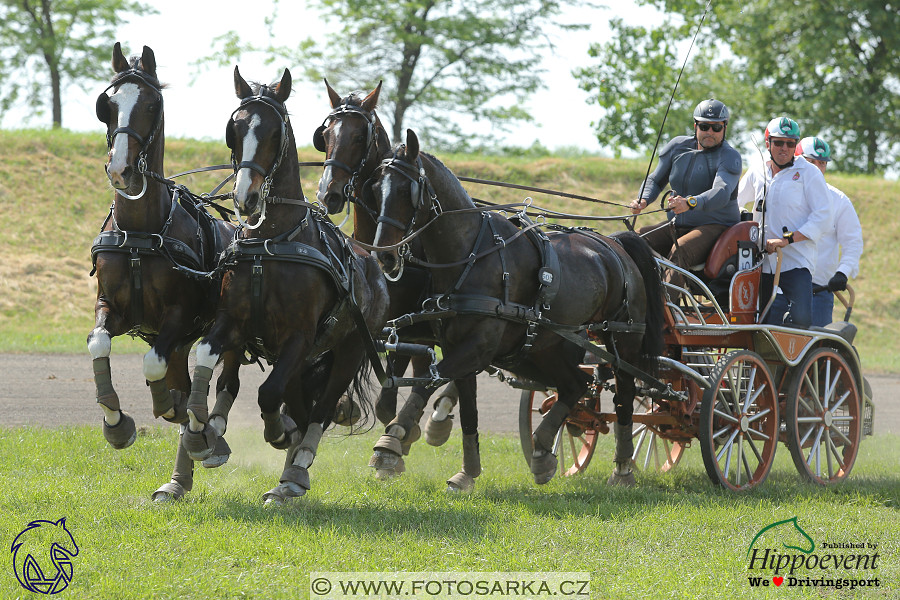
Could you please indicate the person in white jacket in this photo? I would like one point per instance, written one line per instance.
(793, 205)
(840, 247)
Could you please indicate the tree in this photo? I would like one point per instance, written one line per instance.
(437, 57)
(56, 42)
(833, 65)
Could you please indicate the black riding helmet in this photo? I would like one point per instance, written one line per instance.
(711, 111)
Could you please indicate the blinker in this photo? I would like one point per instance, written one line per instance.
(102, 108)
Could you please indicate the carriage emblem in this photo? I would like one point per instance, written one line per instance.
(37, 550)
(754, 234)
(745, 295)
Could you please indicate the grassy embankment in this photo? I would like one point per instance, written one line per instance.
(55, 196)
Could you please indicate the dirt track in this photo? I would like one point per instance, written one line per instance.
(58, 389)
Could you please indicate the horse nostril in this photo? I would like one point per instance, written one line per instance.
(387, 261)
(252, 201)
(126, 173)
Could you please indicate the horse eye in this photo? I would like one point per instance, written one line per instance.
(152, 108)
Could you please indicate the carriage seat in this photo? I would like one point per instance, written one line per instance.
(723, 258)
(842, 328)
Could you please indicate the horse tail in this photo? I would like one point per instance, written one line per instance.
(652, 344)
(360, 391)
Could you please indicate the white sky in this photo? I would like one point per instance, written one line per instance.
(183, 32)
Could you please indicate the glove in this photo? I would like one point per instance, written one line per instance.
(838, 283)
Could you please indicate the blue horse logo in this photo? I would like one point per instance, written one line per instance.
(54, 545)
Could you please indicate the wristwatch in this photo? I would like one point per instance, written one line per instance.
(788, 235)
(691, 202)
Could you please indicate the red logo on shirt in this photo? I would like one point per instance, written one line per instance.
(796, 176)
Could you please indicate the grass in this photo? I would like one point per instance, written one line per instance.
(674, 536)
(53, 186)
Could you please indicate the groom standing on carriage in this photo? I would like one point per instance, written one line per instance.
(704, 171)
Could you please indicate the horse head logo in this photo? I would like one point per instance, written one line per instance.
(42, 556)
(807, 545)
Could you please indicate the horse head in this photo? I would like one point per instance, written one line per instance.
(404, 203)
(259, 136)
(350, 137)
(133, 115)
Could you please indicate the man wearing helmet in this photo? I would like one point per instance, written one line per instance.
(793, 206)
(841, 246)
(703, 171)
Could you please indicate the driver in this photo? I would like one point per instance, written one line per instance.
(704, 171)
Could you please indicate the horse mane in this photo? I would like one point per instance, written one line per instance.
(134, 64)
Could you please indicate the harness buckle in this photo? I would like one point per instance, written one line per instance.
(498, 239)
(505, 276)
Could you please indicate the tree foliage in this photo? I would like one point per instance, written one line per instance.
(56, 43)
(438, 58)
(832, 65)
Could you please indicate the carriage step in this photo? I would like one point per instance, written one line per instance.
(404, 348)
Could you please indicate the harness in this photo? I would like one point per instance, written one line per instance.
(346, 108)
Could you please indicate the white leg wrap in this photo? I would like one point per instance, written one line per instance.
(111, 416)
(155, 366)
(445, 405)
(195, 424)
(396, 431)
(218, 423)
(99, 343)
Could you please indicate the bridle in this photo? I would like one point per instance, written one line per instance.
(141, 77)
(371, 136)
(419, 190)
(283, 119)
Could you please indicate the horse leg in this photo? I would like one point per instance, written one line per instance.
(400, 433)
(278, 428)
(227, 387)
(182, 475)
(624, 401)
(464, 481)
(440, 422)
(168, 386)
(386, 405)
(572, 384)
(295, 476)
(118, 426)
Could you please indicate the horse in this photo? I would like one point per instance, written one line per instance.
(294, 291)
(152, 227)
(354, 142)
(498, 303)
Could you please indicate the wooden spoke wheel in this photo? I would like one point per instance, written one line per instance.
(576, 437)
(739, 421)
(653, 451)
(823, 420)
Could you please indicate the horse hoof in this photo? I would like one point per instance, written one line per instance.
(543, 467)
(388, 443)
(438, 432)
(200, 444)
(396, 471)
(347, 412)
(168, 492)
(461, 482)
(122, 434)
(384, 460)
(281, 494)
(221, 454)
(623, 480)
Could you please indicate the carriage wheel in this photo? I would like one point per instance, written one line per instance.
(574, 437)
(823, 417)
(739, 421)
(653, 452)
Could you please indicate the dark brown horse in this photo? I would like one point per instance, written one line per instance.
(152, 246)
(295, 291)
(507, 301)
(355, 142)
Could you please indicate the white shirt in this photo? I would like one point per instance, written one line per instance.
(841, 246)
(797, 198)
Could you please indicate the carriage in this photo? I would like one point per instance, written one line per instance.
(759, 385)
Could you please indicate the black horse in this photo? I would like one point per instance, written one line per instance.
(295, 291)
(355, 142)
(518, 301)
(152, 227)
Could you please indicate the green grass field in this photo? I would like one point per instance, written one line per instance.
(54, 190)
(674, 536)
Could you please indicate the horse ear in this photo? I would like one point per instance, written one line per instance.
(333, 96)
(371, 100)
(412, 145)
(102, 108)
(283, 89)
(148, 61)
(119, 62)
(241, 88)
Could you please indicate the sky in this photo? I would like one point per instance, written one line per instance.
(183, 32)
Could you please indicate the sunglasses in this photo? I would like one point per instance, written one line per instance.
(717, 127)
(788, 143)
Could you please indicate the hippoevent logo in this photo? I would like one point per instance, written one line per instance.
(42, 556)
(783, 554)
